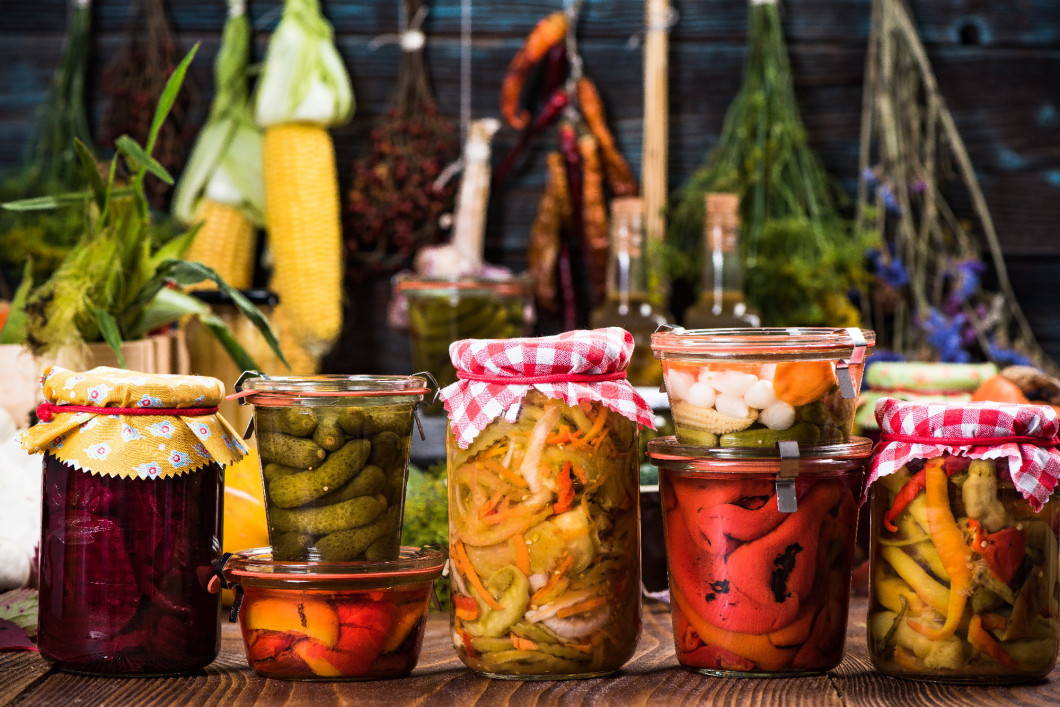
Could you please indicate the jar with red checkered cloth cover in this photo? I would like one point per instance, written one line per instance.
(544, 504)
(131, 519)
(964, 525)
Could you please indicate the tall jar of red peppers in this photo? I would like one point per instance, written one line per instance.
(544, 530)
(131, 522)
(964, 567)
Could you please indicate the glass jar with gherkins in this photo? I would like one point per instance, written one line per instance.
(544, 530)
(334, 455)
(963, 542)
(443, 310)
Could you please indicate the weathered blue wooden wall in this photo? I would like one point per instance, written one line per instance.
(998, 65)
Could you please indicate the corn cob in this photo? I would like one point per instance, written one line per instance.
(302, 214)
(709, 419)
(226, 242)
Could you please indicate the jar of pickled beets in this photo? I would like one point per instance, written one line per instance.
(544, 530)
(759, 551)
(963, 542)
(131, 521)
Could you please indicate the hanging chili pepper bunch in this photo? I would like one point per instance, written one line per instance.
(396, 200)
(569, 239)
(134, 79)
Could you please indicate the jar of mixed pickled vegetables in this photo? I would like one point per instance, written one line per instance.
(544, 527)
(755, 387)
(443, 310)
(759, 552)
(131, 520)
(334, 453)
(964, 521)
(359, 620)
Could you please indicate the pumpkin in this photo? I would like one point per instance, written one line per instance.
(999, 389)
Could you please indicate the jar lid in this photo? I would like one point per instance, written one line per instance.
(495, 374)
(1025, 435)
(414, 565)
(762, 344)
(127, 424)
(288, 390)
(667, 452)
(499, 284)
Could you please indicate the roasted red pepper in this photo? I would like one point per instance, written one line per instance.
(1003, 551)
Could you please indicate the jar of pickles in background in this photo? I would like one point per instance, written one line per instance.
(964, 520)
(334, 455)
(543, 505)
(443, 310)
(131, 520)
(756, 387)
(759, 552)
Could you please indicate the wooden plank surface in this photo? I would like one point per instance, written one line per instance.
(652, 677)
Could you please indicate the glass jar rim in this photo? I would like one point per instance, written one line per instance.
(413, 565)
(764, 343)
(332, 385)
(667, 453)
(485, 284)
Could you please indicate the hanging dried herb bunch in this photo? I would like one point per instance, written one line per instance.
(134, 79)
(394, 201)
(801, 255)
(51, 165)
(928, 299)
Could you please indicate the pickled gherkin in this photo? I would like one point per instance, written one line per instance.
(335, 490)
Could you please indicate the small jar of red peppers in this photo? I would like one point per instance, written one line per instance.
(358, 620)
(131, 521)
(964, 577)
(759, 552)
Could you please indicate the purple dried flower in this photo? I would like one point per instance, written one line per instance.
(919, 186)
(869, 175)
(889, 202)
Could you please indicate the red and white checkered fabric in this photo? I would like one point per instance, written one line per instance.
(474, 404)
(977, 431)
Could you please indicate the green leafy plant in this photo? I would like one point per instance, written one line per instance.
(116, 285)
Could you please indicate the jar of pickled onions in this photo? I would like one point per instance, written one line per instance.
(544, 504)
(963, 542)
(131, 520)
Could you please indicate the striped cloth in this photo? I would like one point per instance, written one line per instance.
(573, 366)
(1025, 435)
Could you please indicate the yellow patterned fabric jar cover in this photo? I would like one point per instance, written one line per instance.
(170, 423)
(130, 520)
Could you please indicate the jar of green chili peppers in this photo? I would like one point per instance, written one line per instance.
(964, 522)
(443, 310)
(544, 529)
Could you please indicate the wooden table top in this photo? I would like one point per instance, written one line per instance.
(651, 677)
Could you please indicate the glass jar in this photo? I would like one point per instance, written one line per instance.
(756, 591)
(340, 621)
(755, 387)
(545, 543)
(443, 310)
(334, 453)
(964, 580)
(131, 520)
(544, 530)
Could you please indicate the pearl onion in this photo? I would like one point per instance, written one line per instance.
(701, 395)
(766, 371)
(733, 383)
(778, 416)
(731, 406)
(760, 395)
(678, 383)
